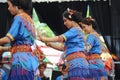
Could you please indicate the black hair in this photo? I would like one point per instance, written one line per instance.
(89, 21)
(43, 64)
(26, 5)
(73, 15)
(63, 66)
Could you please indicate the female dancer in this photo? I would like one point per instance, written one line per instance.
(21, 37)
(74, 45)
(93, 49)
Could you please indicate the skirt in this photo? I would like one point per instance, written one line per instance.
(18, 73)
(78, 67)
(97, 70)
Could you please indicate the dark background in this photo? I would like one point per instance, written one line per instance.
(106, 13)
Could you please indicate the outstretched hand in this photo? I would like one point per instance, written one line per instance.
(39, 36)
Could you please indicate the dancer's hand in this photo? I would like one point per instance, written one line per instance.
(39, 36)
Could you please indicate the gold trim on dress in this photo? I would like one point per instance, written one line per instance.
(10, 36)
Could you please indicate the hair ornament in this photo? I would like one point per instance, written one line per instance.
(68, 9)
(70, 16)
(90, 19)
(71, 12)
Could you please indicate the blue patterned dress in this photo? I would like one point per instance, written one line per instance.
(3, 75)
(96, 65)
(24, 63)
(74, 49)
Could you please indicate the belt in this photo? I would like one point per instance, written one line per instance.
(21, 48)
(93, 56)
(75, 55)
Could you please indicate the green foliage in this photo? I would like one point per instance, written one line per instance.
(43, 27)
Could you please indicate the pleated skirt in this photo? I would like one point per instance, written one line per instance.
(78, 69)
(97, 69)
(18, 73)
